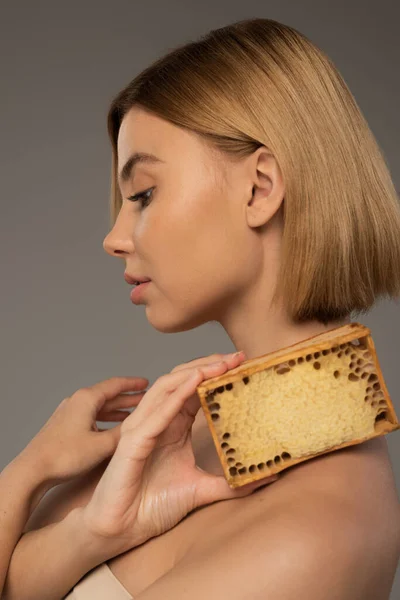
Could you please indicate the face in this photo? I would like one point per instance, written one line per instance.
(192, 239)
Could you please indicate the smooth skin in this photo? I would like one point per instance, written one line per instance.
(152, 481)
(209, 238)
(152, 465)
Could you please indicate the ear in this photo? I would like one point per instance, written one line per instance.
(268, 187)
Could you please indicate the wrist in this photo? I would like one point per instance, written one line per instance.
(101, 546)
(28, 477)
(92, 550)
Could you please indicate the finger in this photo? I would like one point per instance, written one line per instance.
(109, 439)
(165, 386)
(124, 401)
(113, 415)
(103, 391)
(171, 381)
(166, 398)
(203, 360)
(174, 378)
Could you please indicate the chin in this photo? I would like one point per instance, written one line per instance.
(177, 325)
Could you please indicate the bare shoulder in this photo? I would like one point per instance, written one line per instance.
(336, 517)
(329, 529)
(348, 496)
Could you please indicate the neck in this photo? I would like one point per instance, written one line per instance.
(257, 336)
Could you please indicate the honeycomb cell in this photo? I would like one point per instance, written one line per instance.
(353, 377)
(381, 416)
(283, 370)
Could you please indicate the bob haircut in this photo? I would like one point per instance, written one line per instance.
(258, 82)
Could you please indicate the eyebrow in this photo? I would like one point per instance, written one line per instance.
(138, 157)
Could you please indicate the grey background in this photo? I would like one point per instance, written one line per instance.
(66, 317)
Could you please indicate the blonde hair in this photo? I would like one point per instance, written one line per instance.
(257, 83)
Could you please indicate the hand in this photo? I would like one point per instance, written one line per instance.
(70, 443)
(152, 482)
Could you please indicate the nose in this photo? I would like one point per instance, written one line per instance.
(117, 245)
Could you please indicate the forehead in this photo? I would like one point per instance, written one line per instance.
(142, 131)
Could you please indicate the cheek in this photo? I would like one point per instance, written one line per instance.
(202, 255)
(195, 245)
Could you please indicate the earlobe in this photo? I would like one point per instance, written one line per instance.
(265, 202)
(267, 187)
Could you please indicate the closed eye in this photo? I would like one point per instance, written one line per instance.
(142, 197)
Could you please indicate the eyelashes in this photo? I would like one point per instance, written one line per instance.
(142, 197)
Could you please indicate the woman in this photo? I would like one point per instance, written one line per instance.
(249, 189)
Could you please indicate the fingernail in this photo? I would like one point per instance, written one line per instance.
(240, 353)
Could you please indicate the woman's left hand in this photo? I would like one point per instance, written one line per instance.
(152, 482)
(70, 443)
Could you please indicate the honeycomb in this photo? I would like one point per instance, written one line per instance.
(314, 397)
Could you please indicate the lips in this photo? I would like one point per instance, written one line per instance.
(132, 279)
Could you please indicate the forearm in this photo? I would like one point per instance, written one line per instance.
(21, 488)
(48, 562)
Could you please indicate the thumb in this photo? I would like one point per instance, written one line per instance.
(109, 439)
(213, 488)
